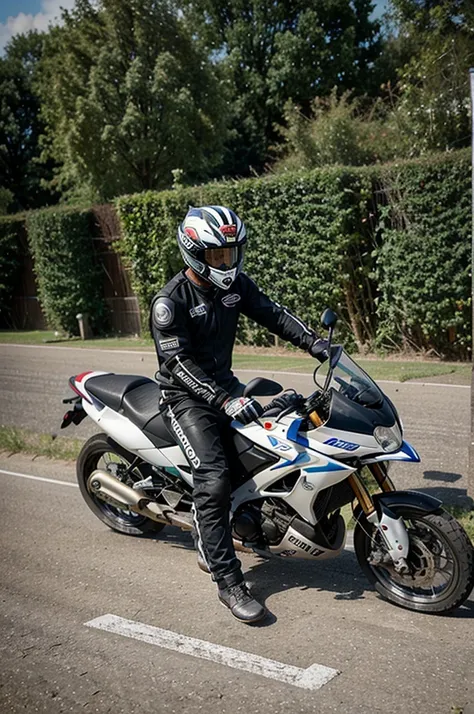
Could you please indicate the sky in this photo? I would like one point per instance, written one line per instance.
(17, 16)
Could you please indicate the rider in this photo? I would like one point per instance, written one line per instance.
(193, 321)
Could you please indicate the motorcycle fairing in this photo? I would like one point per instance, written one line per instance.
(316, 471)
(405, 453)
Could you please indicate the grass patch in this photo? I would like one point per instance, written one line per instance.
(15, 440)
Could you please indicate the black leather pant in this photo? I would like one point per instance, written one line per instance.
(205, 437)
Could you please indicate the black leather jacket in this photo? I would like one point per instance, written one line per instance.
(194, 331)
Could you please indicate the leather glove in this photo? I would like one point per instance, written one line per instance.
(319, 349)
(244, 409)
(285, 400)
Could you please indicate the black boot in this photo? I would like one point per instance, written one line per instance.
(240, 602)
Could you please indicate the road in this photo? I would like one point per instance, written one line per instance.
(34, 379)
(61, 568)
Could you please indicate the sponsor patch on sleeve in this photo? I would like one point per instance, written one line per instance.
(163, 312)
(170, 344)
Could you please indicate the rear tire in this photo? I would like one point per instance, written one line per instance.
(441, 558)
(97, 452)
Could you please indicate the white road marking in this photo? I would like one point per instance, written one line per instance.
(314, 677)
(236, 369)
(39, 478)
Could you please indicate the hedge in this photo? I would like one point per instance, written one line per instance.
(387, 246)
(424, 264)
(300, 230)
(11, 230)
(69, 278)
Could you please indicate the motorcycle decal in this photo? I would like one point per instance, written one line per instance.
(300, 459)
(171, 344)
(230, 300)
(340, 444)
(198, 310)
(327, 467)
(278, 445)
(304, 546)
(406, 453)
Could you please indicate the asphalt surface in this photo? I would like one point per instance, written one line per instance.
(61, 567)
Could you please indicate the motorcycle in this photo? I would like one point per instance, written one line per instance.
(295, 468)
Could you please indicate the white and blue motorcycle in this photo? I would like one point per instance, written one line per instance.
(297, 466)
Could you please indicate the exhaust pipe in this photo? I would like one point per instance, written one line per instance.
(118, 494)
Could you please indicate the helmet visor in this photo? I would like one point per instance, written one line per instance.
(224, 258)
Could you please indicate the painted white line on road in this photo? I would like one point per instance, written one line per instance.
(314, 677)
(39, 478)
(236, 369)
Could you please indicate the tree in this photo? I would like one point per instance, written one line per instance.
(128, 100)
(434, 104)
(21, 174)
(275, 51)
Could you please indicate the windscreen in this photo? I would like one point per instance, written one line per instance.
(349, 379)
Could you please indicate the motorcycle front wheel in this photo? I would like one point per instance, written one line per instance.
(440, 562)
(97, 453)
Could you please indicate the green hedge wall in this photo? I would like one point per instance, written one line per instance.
(69, 278)
(424, 263)
(386, 246)
(300, 233)
(11, 229)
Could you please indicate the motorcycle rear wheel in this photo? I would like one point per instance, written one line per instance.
(441, 561)
(97, 453)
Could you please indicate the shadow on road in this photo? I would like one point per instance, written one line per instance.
(341, 576)
(449, 495)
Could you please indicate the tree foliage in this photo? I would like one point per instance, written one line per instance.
(276, 51)
(434, 103)
(21, 174)
(127, 99)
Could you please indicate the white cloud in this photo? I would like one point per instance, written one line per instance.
(21, 23)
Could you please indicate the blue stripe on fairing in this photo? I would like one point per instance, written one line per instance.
(327, 467)
(301, 458)
(410, 452)
(293, 435)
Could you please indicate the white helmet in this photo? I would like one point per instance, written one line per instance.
(211, 240)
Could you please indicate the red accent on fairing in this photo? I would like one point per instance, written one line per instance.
(268, 425)
(81, 376)
(229, 230)
(191, 233)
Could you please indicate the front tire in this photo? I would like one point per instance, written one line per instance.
(441, 562)
(97, 453)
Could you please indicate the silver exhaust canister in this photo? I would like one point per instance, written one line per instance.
(109, 489)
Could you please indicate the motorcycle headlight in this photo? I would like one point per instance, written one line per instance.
(389, 437)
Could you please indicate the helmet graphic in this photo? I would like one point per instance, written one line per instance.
(211, 240)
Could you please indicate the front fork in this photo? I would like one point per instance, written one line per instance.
(391, 528)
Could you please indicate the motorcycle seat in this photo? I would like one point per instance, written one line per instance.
(110, 389)
(140, 405)
(135, 397)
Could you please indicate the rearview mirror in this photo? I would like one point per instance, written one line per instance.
(261, 387)
(328, 318)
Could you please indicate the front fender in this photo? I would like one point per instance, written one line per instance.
(415, 501)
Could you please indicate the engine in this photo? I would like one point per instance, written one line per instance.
(264, 524)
